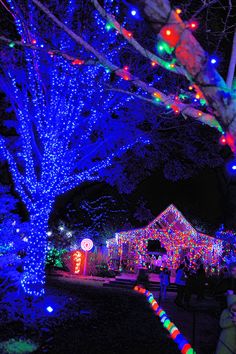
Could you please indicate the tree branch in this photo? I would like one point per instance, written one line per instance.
(190, 111)
(146, 53)
(50, 52)
(193, 58)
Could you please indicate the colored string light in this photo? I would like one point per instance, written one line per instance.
(175, 334)
(77, 62)
(174, 232)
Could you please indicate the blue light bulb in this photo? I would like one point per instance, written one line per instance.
(213, 60)
(49, 309)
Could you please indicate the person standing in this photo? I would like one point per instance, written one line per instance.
(180, 281)
(164, 282)
(226, 286)
(201, 280)
(227, 340)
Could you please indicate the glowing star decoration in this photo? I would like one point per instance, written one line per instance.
(77, 261)
(86, 244)
(133, 12)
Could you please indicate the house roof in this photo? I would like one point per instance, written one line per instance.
(172, 219)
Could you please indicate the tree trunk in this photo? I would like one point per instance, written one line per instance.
(33, 280)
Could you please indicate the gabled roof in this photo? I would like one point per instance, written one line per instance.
(172, 219)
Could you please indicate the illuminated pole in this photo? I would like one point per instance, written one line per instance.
(86, 245)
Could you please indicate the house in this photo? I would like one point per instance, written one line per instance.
(169, 234)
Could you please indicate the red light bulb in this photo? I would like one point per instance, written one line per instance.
(223, 140)
(193, 25)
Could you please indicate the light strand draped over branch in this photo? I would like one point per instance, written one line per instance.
(146, 53)
(167, 100)
(193, 58)
(52, 52)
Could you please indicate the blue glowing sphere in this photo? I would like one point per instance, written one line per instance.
(133, 12)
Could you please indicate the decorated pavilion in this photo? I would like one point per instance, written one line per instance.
(177, 238)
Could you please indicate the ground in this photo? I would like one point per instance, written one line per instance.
(116, 321)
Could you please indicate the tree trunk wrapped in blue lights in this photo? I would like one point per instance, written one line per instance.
(33, 279)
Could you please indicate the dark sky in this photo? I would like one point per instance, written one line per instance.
(198, 197)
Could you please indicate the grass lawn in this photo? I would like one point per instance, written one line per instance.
(109, 321)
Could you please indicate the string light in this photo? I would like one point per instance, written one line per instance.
(77, 62)
(174, 232)
(213, 60)
(175, 334)
(193, 25)
(231, 167)
(108, 26)
(49, 309)
(223, 140)
(65, 122)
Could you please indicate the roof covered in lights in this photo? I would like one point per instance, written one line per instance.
(172, 219)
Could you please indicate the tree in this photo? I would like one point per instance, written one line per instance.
(210, 101)
(13, 242)
(65, 122)
(63, 144)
